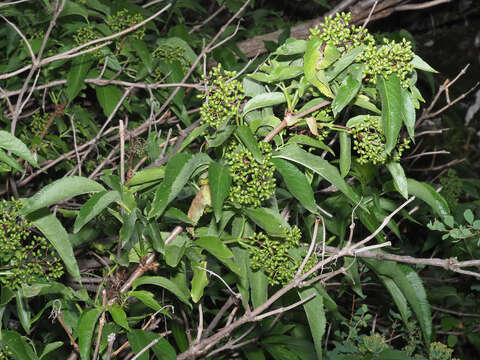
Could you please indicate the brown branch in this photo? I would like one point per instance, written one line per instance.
(421, 6)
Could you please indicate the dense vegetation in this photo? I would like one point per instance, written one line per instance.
(166, 196)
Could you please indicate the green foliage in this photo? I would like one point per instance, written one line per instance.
(25, 258)
(214, 190)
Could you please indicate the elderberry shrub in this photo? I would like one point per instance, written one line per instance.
(272, 256)
(24, 257)
(253, 182)
(222, 97)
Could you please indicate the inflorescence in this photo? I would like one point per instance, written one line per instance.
(24, 257)
(253, 182)
(271, 255)
(222, 97)
(369, 142)
(380, 60)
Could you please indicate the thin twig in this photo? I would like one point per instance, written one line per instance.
(420, 6)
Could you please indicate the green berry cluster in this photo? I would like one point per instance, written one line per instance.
(271, 255)
(253, 182)
(86, 34)
(123, 20)
(24, 257)
(389, 58)
(5, 353)
(222, 98)
(169, 54)
(439, 351)
(369, 143)
(38, 123)
(336, 30)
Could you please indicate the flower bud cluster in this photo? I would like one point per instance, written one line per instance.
(389, 58)
(38, 123)
(123, 20)
(271, 255)
(24, 257)
(169, 54)
(86, 34)
(369, 143)
(336, 30)
(5, 353)
(222, 97)
(252, 182)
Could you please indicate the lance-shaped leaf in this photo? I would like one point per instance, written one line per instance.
(10, 161)
(419, 63)
(320, 166)
(312, 58)
(264, 100)
(140, 339)
(76, 75)
(347, 59)
(297, 184)
(269, 220)
(219, 180)
(392, 109)
(411, 287)
(345, 93)
(55, 233)
(399, 178)
(18, 346)
(199, 280)
(408, 113)
(16, 146)
(248, 139)
(345, 152)
(94, 206)
(164, 283)
(316, 317)
(178, 172)
(59, 190)
(428, 194)
(86, 326)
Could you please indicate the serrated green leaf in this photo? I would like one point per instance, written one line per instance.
(86, 326)
(419, 63)
(10, 161)
(408, 112)
(143, 52)
(61, 189)
(318, 165)
(178, 172)
(269, 220)
(219, 180)
(18, 346)
(312, 58)
(428, 194)
(108, 97)
(119, 316)
(76, 75)
(94, 206)
(199, 280)
(392, 109)
(264, 100)
(346, 60)
(55, 233)
(291, 46)
(297, 184)
(399, 178)
(139, 339)
(345, 94)
(249, 140)
(411, 287)
(316, 317)
(164, 283)
(345, 153)
(147, 298)
(16, 146)
(215, 247)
